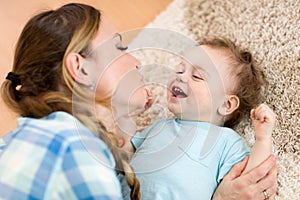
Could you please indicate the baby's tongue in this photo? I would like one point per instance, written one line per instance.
(180, 94)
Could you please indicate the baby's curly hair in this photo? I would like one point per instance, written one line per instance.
(250, 80)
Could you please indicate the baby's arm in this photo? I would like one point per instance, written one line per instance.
(264, 121)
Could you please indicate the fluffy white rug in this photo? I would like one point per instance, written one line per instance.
(271, 31)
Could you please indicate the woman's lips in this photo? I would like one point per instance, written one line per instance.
(150, 100)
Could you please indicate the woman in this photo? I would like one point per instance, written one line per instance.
(55, 153)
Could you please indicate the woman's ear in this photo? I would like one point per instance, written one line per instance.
(74, 66)
(231, 103)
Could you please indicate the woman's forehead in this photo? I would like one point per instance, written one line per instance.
(106, 31)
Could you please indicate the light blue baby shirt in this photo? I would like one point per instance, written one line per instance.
(178, 159)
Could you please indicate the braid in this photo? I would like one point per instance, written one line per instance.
(132, 181)
(122, 164)
(35, 106)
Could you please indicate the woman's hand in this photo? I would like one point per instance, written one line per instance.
(256, 184)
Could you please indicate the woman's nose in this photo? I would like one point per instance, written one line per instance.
(134, 62)
(137, 63)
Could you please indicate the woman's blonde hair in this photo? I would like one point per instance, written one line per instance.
(45, 84)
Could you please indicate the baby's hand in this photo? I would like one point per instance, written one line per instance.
(264, 121)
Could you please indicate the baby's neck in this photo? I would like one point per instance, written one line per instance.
(214, 122)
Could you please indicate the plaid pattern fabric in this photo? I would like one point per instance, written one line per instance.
(56, 157)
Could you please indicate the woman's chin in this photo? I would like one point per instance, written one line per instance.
(136, 110)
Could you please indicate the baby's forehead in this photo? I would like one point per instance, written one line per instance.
(199, 56)
(193, 51)
(211, 60)
(207, 55)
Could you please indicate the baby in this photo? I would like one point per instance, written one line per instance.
(216, 85)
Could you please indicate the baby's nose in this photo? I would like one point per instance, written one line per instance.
(181, 78)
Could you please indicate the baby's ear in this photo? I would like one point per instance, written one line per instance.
(230, 104)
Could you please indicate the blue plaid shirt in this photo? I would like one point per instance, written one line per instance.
(56, 157)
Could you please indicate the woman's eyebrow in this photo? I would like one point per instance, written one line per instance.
(119, 45)
(118, 35)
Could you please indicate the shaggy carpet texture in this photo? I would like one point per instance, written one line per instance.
(271, 31)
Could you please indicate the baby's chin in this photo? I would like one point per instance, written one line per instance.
(174, 110)
(178, 113)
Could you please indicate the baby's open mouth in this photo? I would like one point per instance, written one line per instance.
(178, 92)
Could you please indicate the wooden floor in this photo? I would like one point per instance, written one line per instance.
(125, 14)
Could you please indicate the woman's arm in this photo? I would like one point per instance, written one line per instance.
(249, 186)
